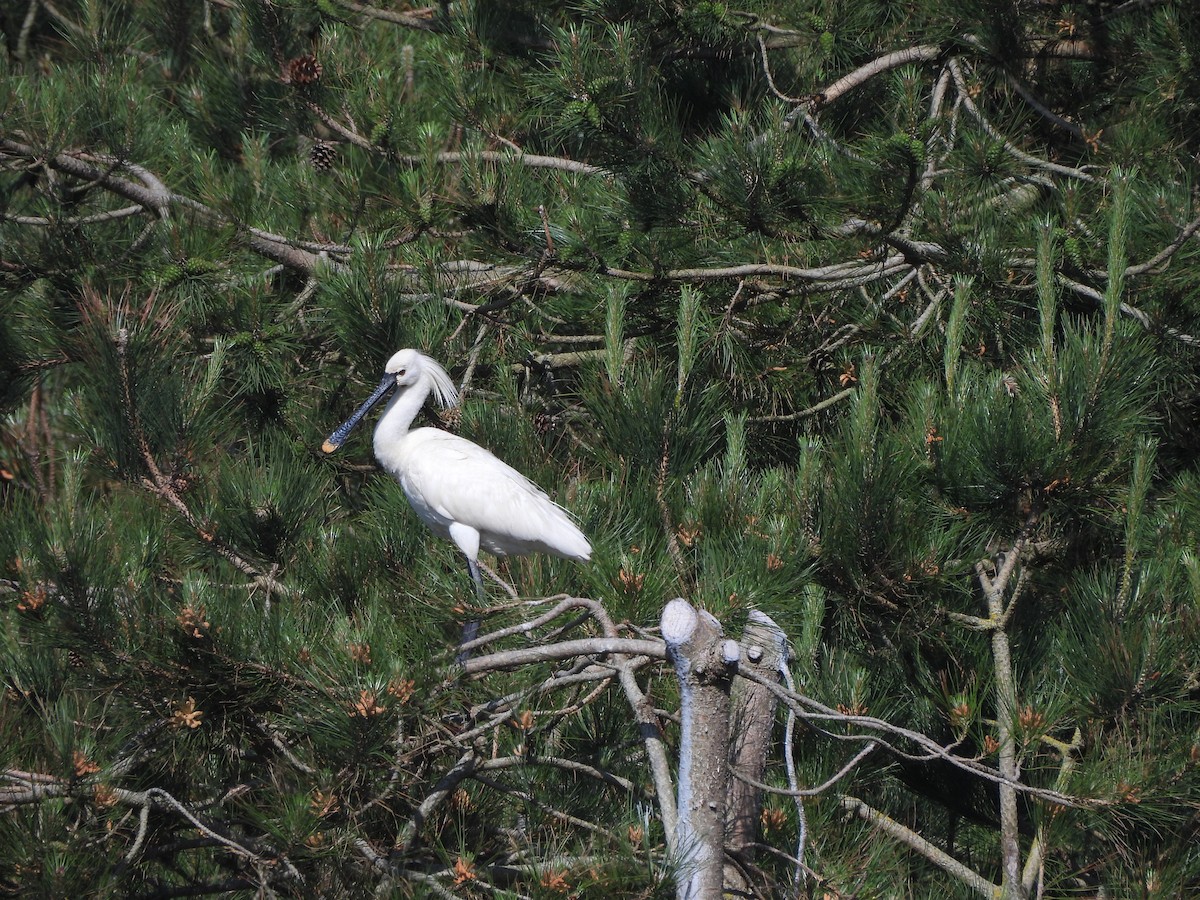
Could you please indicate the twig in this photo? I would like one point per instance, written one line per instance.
(424, 19)
(789, 761)
(22, 51)
(1027, 158)
(815, 791)
(1037, 849)
(473, 359)
(556, 762)
(596, 646)
(516, 155)
(143, 824)
(1138, 315)
(811, 711)
(162, 485)
(445, 786)
(43, 222)
(910, 838)
(561, 608)
(804, 413)
(43, 787)
(1185, 234)
(766, 67)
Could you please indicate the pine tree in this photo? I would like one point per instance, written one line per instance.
(870, 331)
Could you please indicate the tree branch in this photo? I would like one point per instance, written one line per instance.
(597, 646)
(446, 785)
(158, 200)
(704, 664)
(864, 73)
(424, 19)
(162, 485)
(910, 838)
(764, 648)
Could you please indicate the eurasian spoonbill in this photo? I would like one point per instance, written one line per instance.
(457, 488)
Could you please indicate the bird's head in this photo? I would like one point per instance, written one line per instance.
(410, 367)
(407, 366)
(406, 369)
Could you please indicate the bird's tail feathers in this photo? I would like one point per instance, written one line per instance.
(569, 541)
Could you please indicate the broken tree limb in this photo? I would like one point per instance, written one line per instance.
(763, 649)
(705, 663)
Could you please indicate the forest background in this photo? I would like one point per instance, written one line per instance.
(869, 326)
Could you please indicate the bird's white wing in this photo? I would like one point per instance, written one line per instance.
(459, 481)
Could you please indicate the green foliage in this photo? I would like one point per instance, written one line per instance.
(826, 349)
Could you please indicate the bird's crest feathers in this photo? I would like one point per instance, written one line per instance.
(442, 384)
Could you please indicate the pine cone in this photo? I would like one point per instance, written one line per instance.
(322, 155)
(304, 70)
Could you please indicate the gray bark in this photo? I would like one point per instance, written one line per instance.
(704, 663)
(763, 650)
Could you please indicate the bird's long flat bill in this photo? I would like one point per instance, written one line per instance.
(342, 432)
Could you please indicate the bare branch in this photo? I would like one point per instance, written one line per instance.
(812, 712)
(805, 413)
(446, 785)
(863, 74)
(557, 762)
(652, 739)
(43, 222)
(153, 196)
(564, 606)
(22, 51)
(1138, 315)
(36, 787)
(964, 97)
(911, 839)
(833, 272)
(815, 791)
(424, 19)
(597, 646)
(532, 160)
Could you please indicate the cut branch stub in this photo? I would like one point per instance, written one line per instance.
(705, 663)
(764, 650)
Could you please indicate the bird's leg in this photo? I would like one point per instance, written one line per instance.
(471, 628)
(466, 539)
(477, 577)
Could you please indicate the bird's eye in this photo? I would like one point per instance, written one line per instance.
(400, 374)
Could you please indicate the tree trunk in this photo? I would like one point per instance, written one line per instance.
(704, 663)
(764, 650)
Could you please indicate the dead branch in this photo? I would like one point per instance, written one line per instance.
(704, 664)
(931, 852)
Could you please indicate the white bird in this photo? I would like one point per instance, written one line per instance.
(457, 488)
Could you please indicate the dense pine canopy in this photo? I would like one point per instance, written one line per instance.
(883, 321)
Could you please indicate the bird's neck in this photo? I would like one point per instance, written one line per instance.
(399, 414)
